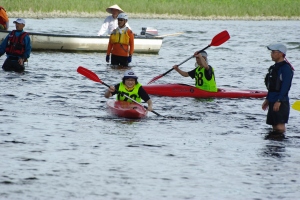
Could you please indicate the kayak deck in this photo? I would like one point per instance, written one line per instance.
(126, 109)
(183, 90)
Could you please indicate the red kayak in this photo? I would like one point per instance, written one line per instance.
(126, 109)
(183, 90)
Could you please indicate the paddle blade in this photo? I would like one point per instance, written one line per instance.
(155, 79)
(220, 38)
(88, 73)
(296, 105)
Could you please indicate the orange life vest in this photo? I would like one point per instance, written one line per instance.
(3, 17)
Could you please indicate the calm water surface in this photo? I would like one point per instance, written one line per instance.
(58, 142)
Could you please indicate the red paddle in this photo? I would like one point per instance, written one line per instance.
(91, 75)
(216, 41)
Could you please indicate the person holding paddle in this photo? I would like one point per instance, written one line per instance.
(121, 43)
(278, 82)
(130, 87)
(203, 73)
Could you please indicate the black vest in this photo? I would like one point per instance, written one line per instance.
(272, 79)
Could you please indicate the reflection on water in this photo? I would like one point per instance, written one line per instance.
(58, 142)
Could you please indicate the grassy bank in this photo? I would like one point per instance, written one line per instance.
(179, 9)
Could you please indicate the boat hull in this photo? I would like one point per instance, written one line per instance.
(81, 43)
(183, 90)
(126, 109)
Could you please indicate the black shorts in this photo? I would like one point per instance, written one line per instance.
(279, 117)
(12, 64)
(119, 60)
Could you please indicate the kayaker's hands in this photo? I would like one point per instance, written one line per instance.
(149, 102)
(111, 89)
(265, 104)
(107, 58)
(175, 67)
(150, 108)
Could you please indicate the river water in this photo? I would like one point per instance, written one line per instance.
(58, 142)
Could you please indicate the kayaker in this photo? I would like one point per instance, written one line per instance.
(132, 88)
(111, 22)
(4, 20)
(278, 82)
(203, 73)
(121, 43)
(17, 47)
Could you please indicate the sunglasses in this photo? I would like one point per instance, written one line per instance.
(120, 20)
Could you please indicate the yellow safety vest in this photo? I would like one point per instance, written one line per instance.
(202, 83)
(132, 94)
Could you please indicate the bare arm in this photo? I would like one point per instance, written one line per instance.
(150, 105)
(183, 73)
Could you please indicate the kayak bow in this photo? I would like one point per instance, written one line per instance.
(130, 110)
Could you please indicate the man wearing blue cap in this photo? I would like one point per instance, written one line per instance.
(278, 82)
(17, 47)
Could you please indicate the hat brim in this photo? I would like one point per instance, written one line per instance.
(15, 22)
(126, 77)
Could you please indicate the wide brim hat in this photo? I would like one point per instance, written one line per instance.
(113, 7)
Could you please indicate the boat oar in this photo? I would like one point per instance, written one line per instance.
(171, 34)
(296, 105)
(216, 41)
(91, 75)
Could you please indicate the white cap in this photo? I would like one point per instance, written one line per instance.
(277, 47)
(113, 7)
(203, 53)
(122, 16)
(129, 74)
(19, 21)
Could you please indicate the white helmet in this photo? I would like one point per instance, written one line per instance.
(122, 16)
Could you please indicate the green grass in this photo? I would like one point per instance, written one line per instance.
(191, 8)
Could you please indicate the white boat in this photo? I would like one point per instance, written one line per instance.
(147, 42)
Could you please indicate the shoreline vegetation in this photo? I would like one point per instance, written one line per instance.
(158, 9)
(74, 14)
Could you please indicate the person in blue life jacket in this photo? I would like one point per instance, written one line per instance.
(278, 82)
(131, 87)
(17, 47)
(203, 73)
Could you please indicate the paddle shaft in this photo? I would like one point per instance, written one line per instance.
(184, 61)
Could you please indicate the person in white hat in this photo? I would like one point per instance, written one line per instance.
(121, 43)
(131, 87)
(17, 47)
(111, 22)
(203, 73)
(278, 82)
